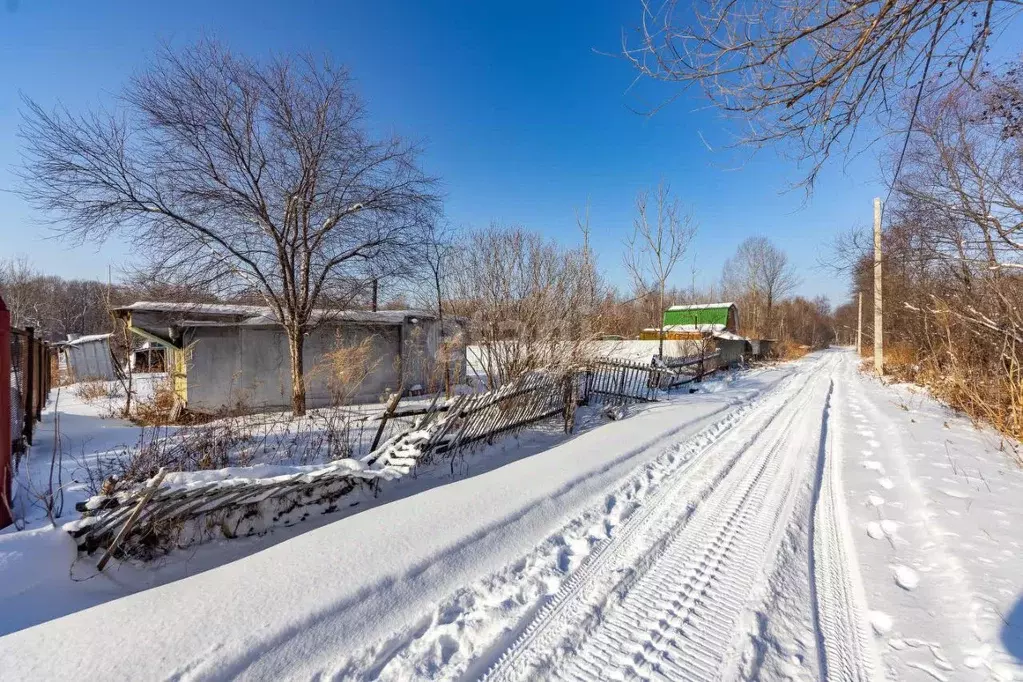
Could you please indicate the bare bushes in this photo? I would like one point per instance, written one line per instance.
(93, 390)
(208, 447)
(529, 302)
(157, 408)
(346, 367)
(953, 256)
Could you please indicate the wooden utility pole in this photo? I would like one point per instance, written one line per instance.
(878, 318)
(859, 327)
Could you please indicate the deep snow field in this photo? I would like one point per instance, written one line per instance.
(797, 521)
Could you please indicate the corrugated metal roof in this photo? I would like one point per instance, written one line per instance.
(85, 339)
(254, 315)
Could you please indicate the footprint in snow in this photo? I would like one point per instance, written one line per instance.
(874, 443)
(874, 466)
(881, 622)
(885, 528)
(875, 500)
(885, 483)
(906, 577)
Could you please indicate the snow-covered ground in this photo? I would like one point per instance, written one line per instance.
(798, 522)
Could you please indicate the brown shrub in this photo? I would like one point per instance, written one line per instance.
(91, 390)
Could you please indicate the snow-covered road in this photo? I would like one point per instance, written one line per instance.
(804, 522)
(674, 607)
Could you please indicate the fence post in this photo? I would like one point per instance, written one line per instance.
(30, 406)
(392, 404)
(30, 412)
(6, 435)
(41, 393)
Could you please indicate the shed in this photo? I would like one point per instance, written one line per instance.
(733, 348)
(88, 358)
(712, 317)
(236, 356)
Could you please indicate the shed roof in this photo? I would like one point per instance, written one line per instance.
(696, 328)
(231, 314)
(702, 306)
(81, 340)
(729, 336)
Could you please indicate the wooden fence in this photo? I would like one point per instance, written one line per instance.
(444, 428)
(25, 384)
(30, 359)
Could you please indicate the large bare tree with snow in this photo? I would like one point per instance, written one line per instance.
(240, 176)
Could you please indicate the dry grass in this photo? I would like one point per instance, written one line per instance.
(990, 393)
(346, 368)
(91, 390)
(156, 409)
(212, 446)
(789, 350)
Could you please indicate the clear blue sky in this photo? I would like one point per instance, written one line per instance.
(522, 117)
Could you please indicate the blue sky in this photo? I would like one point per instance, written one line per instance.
(522, 117)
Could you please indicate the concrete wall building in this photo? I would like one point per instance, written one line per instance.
(225, 356)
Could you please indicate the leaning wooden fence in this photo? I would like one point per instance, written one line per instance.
(184, 514)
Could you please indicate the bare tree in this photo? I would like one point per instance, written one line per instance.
(23, 292)
(660, 237)
(438, 253)
(814, 72)
(760, 274)
(525, 301)
(237, 176)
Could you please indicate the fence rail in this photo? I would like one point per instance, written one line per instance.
(445, 428)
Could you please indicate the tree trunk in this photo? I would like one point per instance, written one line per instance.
(660, 323)
(442, 349)
(296, 342)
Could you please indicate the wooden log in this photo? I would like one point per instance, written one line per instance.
(126, 528)
(392, 404)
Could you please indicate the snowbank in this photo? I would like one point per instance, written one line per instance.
(288, 610)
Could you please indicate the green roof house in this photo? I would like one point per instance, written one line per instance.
(703, 317)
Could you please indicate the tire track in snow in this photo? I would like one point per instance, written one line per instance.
(845, 648)
(458, 639)
(720, 554)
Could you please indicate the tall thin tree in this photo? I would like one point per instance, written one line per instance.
(660, 237)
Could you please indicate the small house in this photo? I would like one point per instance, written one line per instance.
(88, 358)
(237, 356)
(695, 322)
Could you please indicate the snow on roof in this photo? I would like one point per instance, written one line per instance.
(729, 336)
(87, 339)
(255, 315)
(688, 328)
(702, 306)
